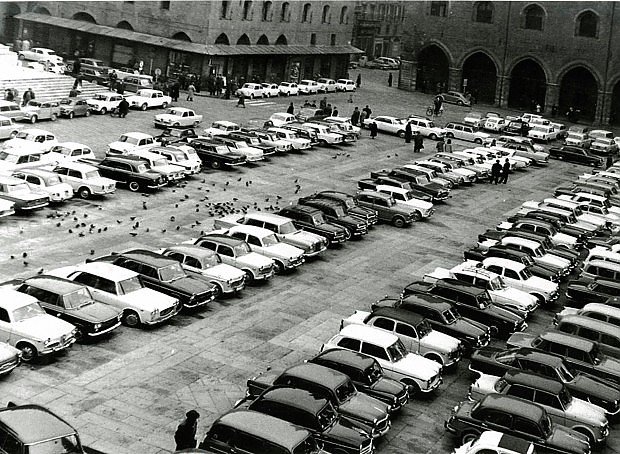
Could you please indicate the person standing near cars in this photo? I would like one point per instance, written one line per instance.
(185, 436)
(373, 130)
(389, 79)
(291, 109)
(355, 116)
(418, 142)
(408, 133)
(363, 116)
(448, 146)
(358, 81)
(123, 108)
(496, 172)
(441, 145)
(505, 171)
(191, 89)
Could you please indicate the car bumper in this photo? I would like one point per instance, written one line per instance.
(233, 287)
(57, 347)
(31, 206)
(164, 315)
(104, 331)
(8, 366)
(61, 197)
(290, 265)
(264, 276)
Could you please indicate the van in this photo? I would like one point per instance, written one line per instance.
(606, 334)
(137, 82)
(603, 255)
(601, 269)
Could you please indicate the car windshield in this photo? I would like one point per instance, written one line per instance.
(497, 283)
(171, 272)
(345, 391)
(28, 311)
(222, 149)
(241, 249)
(287, 227)
(130, 285)
(66, 102)
(449, 317)
(51, 180)
(100, 97)
(339, 211)
(327, 417)
(4, 156)
(525, 274)
(308, 446)
(64, 445)
(397, 351)
(241, 144)
(318, 218)
(373, 373)
(565, 374)
(505, 357)
(423, 328)
(34, 103)
(77, 299)
(270, 240)
(92, 174)
(210, 261)
(19, 187)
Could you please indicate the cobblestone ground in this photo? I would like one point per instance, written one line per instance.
(126, 394)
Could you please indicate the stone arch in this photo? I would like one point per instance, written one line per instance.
(480, 70)
(84, 17)
(42, 10)
(243, 40)
(182, 36)
(263, 40)
(528, 84)
(222, 39)
(11, 25)
(282, 40)
(433, 67)
(124, 25)
(579, 86)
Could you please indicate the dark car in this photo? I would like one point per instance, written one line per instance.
(497, 361)
(335, 214)
(575, 154)
(310, 114)
(172, 136)
(252, 141)
(73, 303)
(312, 220)
(443, 317)
(417, 181)
(74, 107)
(216, 155)
(472, 302)
(555, 221)
(367, 376)
(369, 413)
(516, 128)
(386, 208)
(583, 291)
(164, 275)
(351, 204)
(517, 417)
(130, 170)
(581, 354)
(311, 412)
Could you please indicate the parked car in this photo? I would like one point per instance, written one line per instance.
(350, 204)
(149, 98)
(36, 110)
(252, 154)
(39, 54)
(182, 156)
(345, 85)
(103, 103)
(288, 89)
(603, 147)
(388, 210)
(251, 91)
(335, 214)
(578, 139)
(10, 109)
(85, 179)
(524, 150)
(383, 63)
(8, 128)
(391, 125)
(581, 292)
(96, 76)
(604, 333)
(131, 141)
(308, 87)
(175, 136)
(495, 124)
(27, 157)
(326, 85)
(497, 442)
(23, 197)
(268, 138)
(465, 132)
(135, 82)
(216, 155)
(158, 163)
(282, 118)
(404, 197)
(596, 311)
(32, 138)
(70, 151)
(270, 90)
(47, 181)
(455, 97)
(74, 107)
(426, 127)
(177, 117)
(133, 172)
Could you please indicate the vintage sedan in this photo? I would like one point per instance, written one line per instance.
(13, 159)
(84, 179)
(36, 110)
(182, 156)
(582, 292)
(455, 97)
(131, 171)
(288, 89)
(385, 123)
(496, 442)
(177, 117)
(39, 54)
(48, 182)
(345, 85)
(148, 98)
(24, 197)
(251, 91)
(8, 128)
(270, 90)
(387, 209)
(71, 151)
(34, 138)
(11, 110)
(216, 155)
(575, 154)
(465, 132)
(104, 102)
(131, 141)
(74, 107)
(26, 326)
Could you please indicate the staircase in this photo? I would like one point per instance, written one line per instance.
(46, 86)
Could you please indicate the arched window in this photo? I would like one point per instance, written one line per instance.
(282, 40)
(344, 18)
(325, 17)
(267, 11)
(222, 39)
(285, 13)
(42, 10)
(305, 14)
(484, 12)
(263, 41)
(84, 17)
(124, 25)
(534, 16)
(587, 24)
(244, 40)
(182, 36)
(247, 10)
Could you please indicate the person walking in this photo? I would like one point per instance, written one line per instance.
(358, 81)
(241, 102)
(448, 146)
(291, 109)
(123, 108)
(496, 171)
(418, 142)
(323, 103)
(185, 436)
(335, 112)
(191, 89)
(441, 145)
(363, 116)
(26, 97)
(120, 87)
(368, 111)
(373, 130)
(355, 116)
(408, 133)
(505, 171)
(389, 79)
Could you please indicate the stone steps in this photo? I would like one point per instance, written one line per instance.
(48, 87)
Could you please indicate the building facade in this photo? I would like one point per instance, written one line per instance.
(378, 27)
(249, 40)
(518, 54)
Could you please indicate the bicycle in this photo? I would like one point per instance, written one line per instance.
(430, 111)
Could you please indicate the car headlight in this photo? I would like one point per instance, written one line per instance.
(154, 312)
(97, 326)
(47, 341)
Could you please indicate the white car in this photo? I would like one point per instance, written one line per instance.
(12, 159)
(131, 141)
(148, 98)
(345, 85)
(326, 85)
(251, 154)
(543, 133)
(592, 199)
(288, 89)
(416, 372)
(104, 102)
(325, 136)
(84, 179)
(442, 170)
(495, 124)
(251, 91)
(497, 443)
(270, 90)
(557, 238)
(431, 174)
(426, 127)
(8, 128)
(221, 128)
(181, 155)
(308, 87)
(523, 150)
(7, 208)
(345, 125)
(70, 151)
(32, 138)
(41, 54)
(402, 196)
(388, 124)
(177, 117)
(267, 243)
(598, 311)
(282, 118)
(26, 326)
(160, 164)
(271, 139)
(48, 182)
(124, 290)
(475, 119)
(465, 132)
(298, 143)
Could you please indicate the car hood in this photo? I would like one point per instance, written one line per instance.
(224, 272)
(101, 181)
(255, 260)
(596, 387)
(469, 327)
(553, 260)
(568, 440)
(284, 250)
(188, 284)
(168, 169)
(520, 340)
(417, 366)
(95, 312)
(361, 406)
(485, 384)
(345, 432)
(440, 341)
(388, 386)
(147, 299)
(563, 238)
(580, 410)
(26, 196)
(543, 284)
(521, 298)
(303, 237)
(43, 327)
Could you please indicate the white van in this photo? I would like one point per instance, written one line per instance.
(601, 254)
(602, 270)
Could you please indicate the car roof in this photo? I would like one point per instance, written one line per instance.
(146, 154)
(54, 284)
(38, 172)
(505, 263)
(225, 123)
(461, 285)
(514, 405)
(33, 423)
(36, 131)
(268, 217)
(22, 151)
(303, 208)
(389, 188)
(72, 145)
(137, 134)
(77, 166)
(602, 309)
(397, 314)
(502, 440)
(518, 377)
(596, 325)
(222, 239)
(564, 338)
(367, 333)
(379, 195)
(252, 230)
(180, 109)
(12, 299)
(539, 356)
(605, 264)
(5, 179)
(4, 103)
(295, 397)
(347, 357)
(433, 302)
(107, 270)
(265, 427)
(317, 373)
(191, 250)
(151, 257)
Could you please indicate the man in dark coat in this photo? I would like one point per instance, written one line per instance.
(408, 133)
(418, 142)
(496, 172)
(123, 108)
(505, 171)
(185, 436)
(291, 109)
(358, 81)
(355, 116)
(373, 130)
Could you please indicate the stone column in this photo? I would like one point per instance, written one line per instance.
(552, 98)
(455, 76)
(502, 88)
(603, 108)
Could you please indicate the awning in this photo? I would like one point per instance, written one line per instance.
(185, 46)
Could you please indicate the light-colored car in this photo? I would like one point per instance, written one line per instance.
(455, 97)
(419, 374)
(386, 123)
(46, 181)
(403, 196)
(325, 136)
(37, 110)
(12, 159)
(597, 311)
(288, 89)
(426, 127)
(227, 279)
(543, 133)
(311, 243)
(298, 143)
(131, 141)
(465, 132)
(70, 151)
(149, 98)
(604, 146)
(26, 326)
(326, 85)
(74, 107)
(271, 139)
(578, 139)
(308, 87)
(24, 197)
(8, 128)
(601, 134)
(267, 243)
(270, 90)
(431, 174)
(443, 170)
(41, 54)
(160, 164)
(104, 102)
(414, 332)
(491, 441)
(11, 110)
(221, 128)
(524, 150)
(345, 125)
(84, 179)
(251, 154)
(124, 290)
(345, 85)
(251, 91)
(32, 138)
(494, 124)
(177, 117)
(282, 118)
(181, 155)
(475, 119)
(7, 208)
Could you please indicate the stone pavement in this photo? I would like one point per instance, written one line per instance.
(126, 394)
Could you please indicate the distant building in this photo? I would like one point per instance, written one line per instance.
(248, 40)
(378, 27)
(518, 54)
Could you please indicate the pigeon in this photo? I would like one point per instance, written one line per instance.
(163, 230)
(178, 227)
(118, 221)
(12, 257)
(239, 179)
(172, 218)
(144, 206)
(58, 224)
(105, 229)
(92, 252)
(227, 183)
(25, 263)
(133, 218)
(133, 233)
(25, 254)
(81, 234)
(70, 231)
(40, 271)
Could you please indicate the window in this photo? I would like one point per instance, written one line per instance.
(610, 340)
(164, 5)
(522, 392)
(225, 250)
(526, 427)
(4, 316)
(350, 344)
(247, 10)
(484, 12)
(406, 330)
(344, 18)
(325, 16)
(285, 13)
(384, 323)
(439, 9)
(497, 418)
(534, 15)
(332, 39)
(548, 399)
(191, 261)
(305, 14)
(9, 444)
(511, 274)
(267, 11)
(587, 24)
(225, 9)
(374, 350)
(313, 39)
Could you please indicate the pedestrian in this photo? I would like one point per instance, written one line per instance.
(441, 145)
(185, 436)
(291, 109)
(368, 111)
(448, 146)
(389, 79)
(113, 77)
(358, 81)
(241, 102)
(418, 142)
(8, 95)
(610, 162)
(328, 110)
(496, 171)
(355, 116)
(191, 89)
(73, 93)
(437, 103)
(408, 133)
(176, 88)
(323, 103)
(335, 112)
(373, 130)
(505, 171)
(363, 116)
(538, 108)
(120, 87)
(27, 97)
(123, 108)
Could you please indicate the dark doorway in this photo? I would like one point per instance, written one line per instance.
(528, 86)
(579, 90)
(614, 109)
(11, 25)
(481, 75)
(433, 70)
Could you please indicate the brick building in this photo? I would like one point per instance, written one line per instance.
(518, 54)
(267, 40)
(378, 27)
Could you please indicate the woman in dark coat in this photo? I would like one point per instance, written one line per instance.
(373, 130)
(408, 133)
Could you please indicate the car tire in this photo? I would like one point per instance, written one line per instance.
(176, 125)
(433, 136)
(478, 141)
(79, 335)
(86, 114)
(133, 186)
(143, 107)
(196, 123)
(104, 111)
(216, 165)
(84, 193)
(219, 291)
(415, 388)
(466, 437)
(347, 233)
(71, 115)
(33, 119)
(164, 105)
(278, 267)
(449, 135)
(401, 134)
(54, 117)
(131, 318)
(399, 221)
(435, 357)
(13, 134)
(417, 216)
(22, 57)
(29, 351)
(249, 277)
(459, 103)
